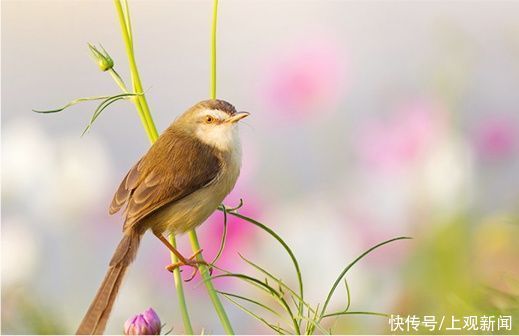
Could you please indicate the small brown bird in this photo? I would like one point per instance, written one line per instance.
(173, 188)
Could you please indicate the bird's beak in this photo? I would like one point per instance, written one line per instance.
(238, 116)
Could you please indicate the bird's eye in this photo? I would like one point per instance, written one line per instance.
(209, 119)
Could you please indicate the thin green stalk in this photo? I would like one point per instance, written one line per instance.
(213, 50)
(117, 78)
(204, 271)
(119, 81)
(345, 270)
(188, 328)
(151, 130)
(146, 119)
(195, 245)
(136, 80)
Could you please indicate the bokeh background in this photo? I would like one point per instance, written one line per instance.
(370, 120)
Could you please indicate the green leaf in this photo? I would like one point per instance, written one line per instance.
(279, 281)
(277, 329)
(273, 292)
(73, 102)
(348, 294)
(355, 313)
(285, 246)
(104, 104)
(314, 324)
(345, 270)
(251, 301)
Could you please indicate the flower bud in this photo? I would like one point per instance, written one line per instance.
(103, 60)
(147, 323)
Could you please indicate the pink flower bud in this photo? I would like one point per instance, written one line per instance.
(147, 323)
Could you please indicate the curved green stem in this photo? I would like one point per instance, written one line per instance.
(147, 121)
(144, 110)
(188, 328)
(204, 271)
(213, 295)
(117, 78)
(151, 131)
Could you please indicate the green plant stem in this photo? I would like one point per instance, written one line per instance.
(117, 78)
(188, 328)
(136, 80)
(204, 271)
(151, 130)
(119, 81)
(213, 50)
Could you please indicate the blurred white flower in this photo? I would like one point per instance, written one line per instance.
(27, 155)
(20, 250)
(50, 177)
(82, 173)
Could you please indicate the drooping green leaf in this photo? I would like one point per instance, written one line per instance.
(279, 281)
(272, 291)
(314, 323)
(73, 102)
(287, 249)
(347, 268)
(355, 313)
(277, 329)
(104, 104)
(251, 301)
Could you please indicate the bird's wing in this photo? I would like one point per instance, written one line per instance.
(175, 166)
(128, 184)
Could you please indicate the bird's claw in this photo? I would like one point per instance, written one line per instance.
(193, 262)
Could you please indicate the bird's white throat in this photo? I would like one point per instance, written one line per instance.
(224, 137)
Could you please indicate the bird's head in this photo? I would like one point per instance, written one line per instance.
(213, 122)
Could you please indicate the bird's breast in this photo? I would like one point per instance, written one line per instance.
(192, 210)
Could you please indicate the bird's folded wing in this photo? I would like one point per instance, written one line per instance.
(174, 167)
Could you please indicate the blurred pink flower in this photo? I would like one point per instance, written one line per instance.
(240, 234)
(402, 139)
(496, 137)
(304, 78)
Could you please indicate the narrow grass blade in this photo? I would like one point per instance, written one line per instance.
(355, 313)
(104, 104)
(277, 329)
(269, 289)
(273, 292)
(348, 294)
(258, 304)
(279, 281)
(285, 246)
(343, 273)
(73, 102)
(251, 301)
(314, 324)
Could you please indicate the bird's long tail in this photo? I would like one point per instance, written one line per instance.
(95, 319)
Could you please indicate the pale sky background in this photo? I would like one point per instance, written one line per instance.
(301, 171)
